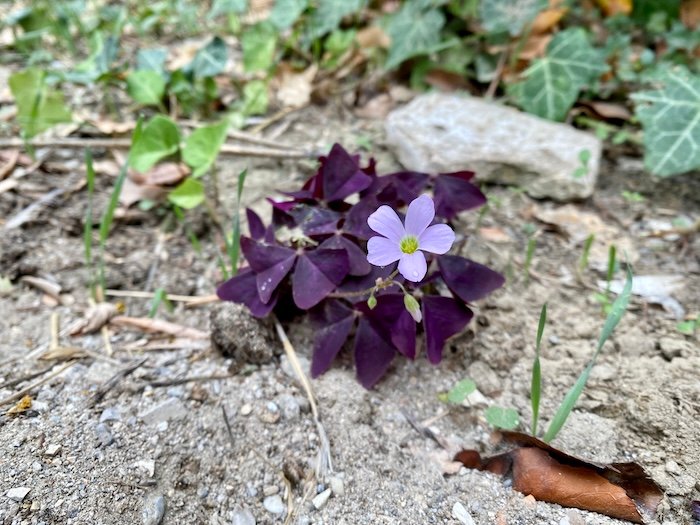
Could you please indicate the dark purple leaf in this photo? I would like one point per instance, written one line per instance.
(464, 175)
(454, 194)
(467, 279)
(317, 273)
(243, 289)
(399, 189)
(356, 256)
(314, 220)
(695, 510)
(391, 320)
(270, 262)
(280, 213)
(443, 317)
(373, 354)
(333, 322)
(341, 175)
(356, 218)
(255, 225)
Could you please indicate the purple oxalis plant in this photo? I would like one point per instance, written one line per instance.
(358, 270)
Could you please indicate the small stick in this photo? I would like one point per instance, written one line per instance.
(18, 380)
(274, 118)
(112, 382)
(324, 457)
(121, 143)
(183, 380)
(192, 299)
(243, 136)
(27, 389)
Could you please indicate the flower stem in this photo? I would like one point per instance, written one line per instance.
(379, 285)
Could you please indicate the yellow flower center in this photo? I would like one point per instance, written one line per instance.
(409, 244)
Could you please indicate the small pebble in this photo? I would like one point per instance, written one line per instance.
(153, 510)
(36, 506)
(18, 494)
(246, 410)
(37, 467)
(271, 490)
(321, 499)
(104, 436)
(162, 426)
(337, 486)
(243, 517)
(461, 514)
(202, 492)
(272, 407)
(290, 407)
(274, 504)
(110, 414)
(52, 450)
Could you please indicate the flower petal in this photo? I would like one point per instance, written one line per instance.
(382, 251)
(420, 214)
(437, 238)
(386, 222)
(413, 266)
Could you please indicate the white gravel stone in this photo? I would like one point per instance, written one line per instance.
(461, 514)
(321, 499)
(243, 517)
(18, 493)
(173, 408)
(274, 504)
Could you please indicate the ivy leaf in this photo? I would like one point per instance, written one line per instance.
(38, 106)
(146, 87)
(258, 44)
(202, 147)
(159, 138)
(498, 16)
(414, 30)
(189, 194)
(210, 60)
(330, 13)
(151, 59)
(670, 116)
(552, 83)
(286, 12)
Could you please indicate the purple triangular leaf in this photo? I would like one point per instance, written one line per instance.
(280, 212)
(317, 273)
(270, 262)
(342, 175)
(464, 175)
(393, 322)
(399, 189)
(356, 256)
(443, 317)
(467, 279)
(243, 289)
(314, 220)
(356, 219)
(255, 225)
(373, 354)
(454, 194)
(333, 321)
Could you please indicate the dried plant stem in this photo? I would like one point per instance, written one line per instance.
(243, 136)
(20, 394)
(125, 143)
(325, 464)
(191, 299)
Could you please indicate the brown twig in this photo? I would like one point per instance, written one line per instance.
(244, 137)
(125, 143)
(20, 394)
(112, 382)
(190, 299)
(183, 380)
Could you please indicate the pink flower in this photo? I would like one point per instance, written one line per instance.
(404, 244)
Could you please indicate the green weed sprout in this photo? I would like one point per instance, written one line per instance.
(233, 247)
(567, 405)
(536, 384)
(587, 244)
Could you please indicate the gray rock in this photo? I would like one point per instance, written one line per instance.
(461, 514)
(337, 486)
(321, 499)
(18, 493)
(243, 517)
(228, 324)
(274, 504)
(110, 414)
(52, 450)
(153, 510)
(290, 406)
(104, 435)
(445, 132)
(173, 408)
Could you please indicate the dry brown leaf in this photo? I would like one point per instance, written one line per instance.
(62, 353)
(372, 36)
(618, 490)
(111, 127)
(147, 324)
(10, 163)
(22, 406)
(615, 7)
(7, 185)
(164, 174)
(610, 110)
(132, 193)
(95, 318)
(294, 88)
(495, 235)
(50, 288)
(547, 19)
(535, 47)
(446, 80)
(376, 108)
(106, 167)
(22, 160)
(690, 13)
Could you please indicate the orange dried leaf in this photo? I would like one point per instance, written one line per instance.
(22, 405)
(615, 7)
(690, 13)
(547, 19)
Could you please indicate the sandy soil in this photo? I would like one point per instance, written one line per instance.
(144, 449)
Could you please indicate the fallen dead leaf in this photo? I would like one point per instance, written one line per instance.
(10, 162)
(619, 490)
(495, 235)
(22, 406)
(294, 88)
(535, 47)
(690, 13)
(62, 353)
(111, 127)
(547, 19)
(615, 7)
(95, 318)
(7, 185)
(50, 288)
(446, 80)
(164, 174)
(376, 108)
(610, 110)
(372, 36)
(147, 324)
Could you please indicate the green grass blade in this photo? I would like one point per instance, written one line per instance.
(87, 230)
(536, 385)
(588, 243)
(234, 247)
(159, 297)
(567, 405)
(612, 259)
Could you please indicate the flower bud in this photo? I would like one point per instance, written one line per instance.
(372, 302)
(413, 307)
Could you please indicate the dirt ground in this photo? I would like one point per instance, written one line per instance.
(152, 445)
